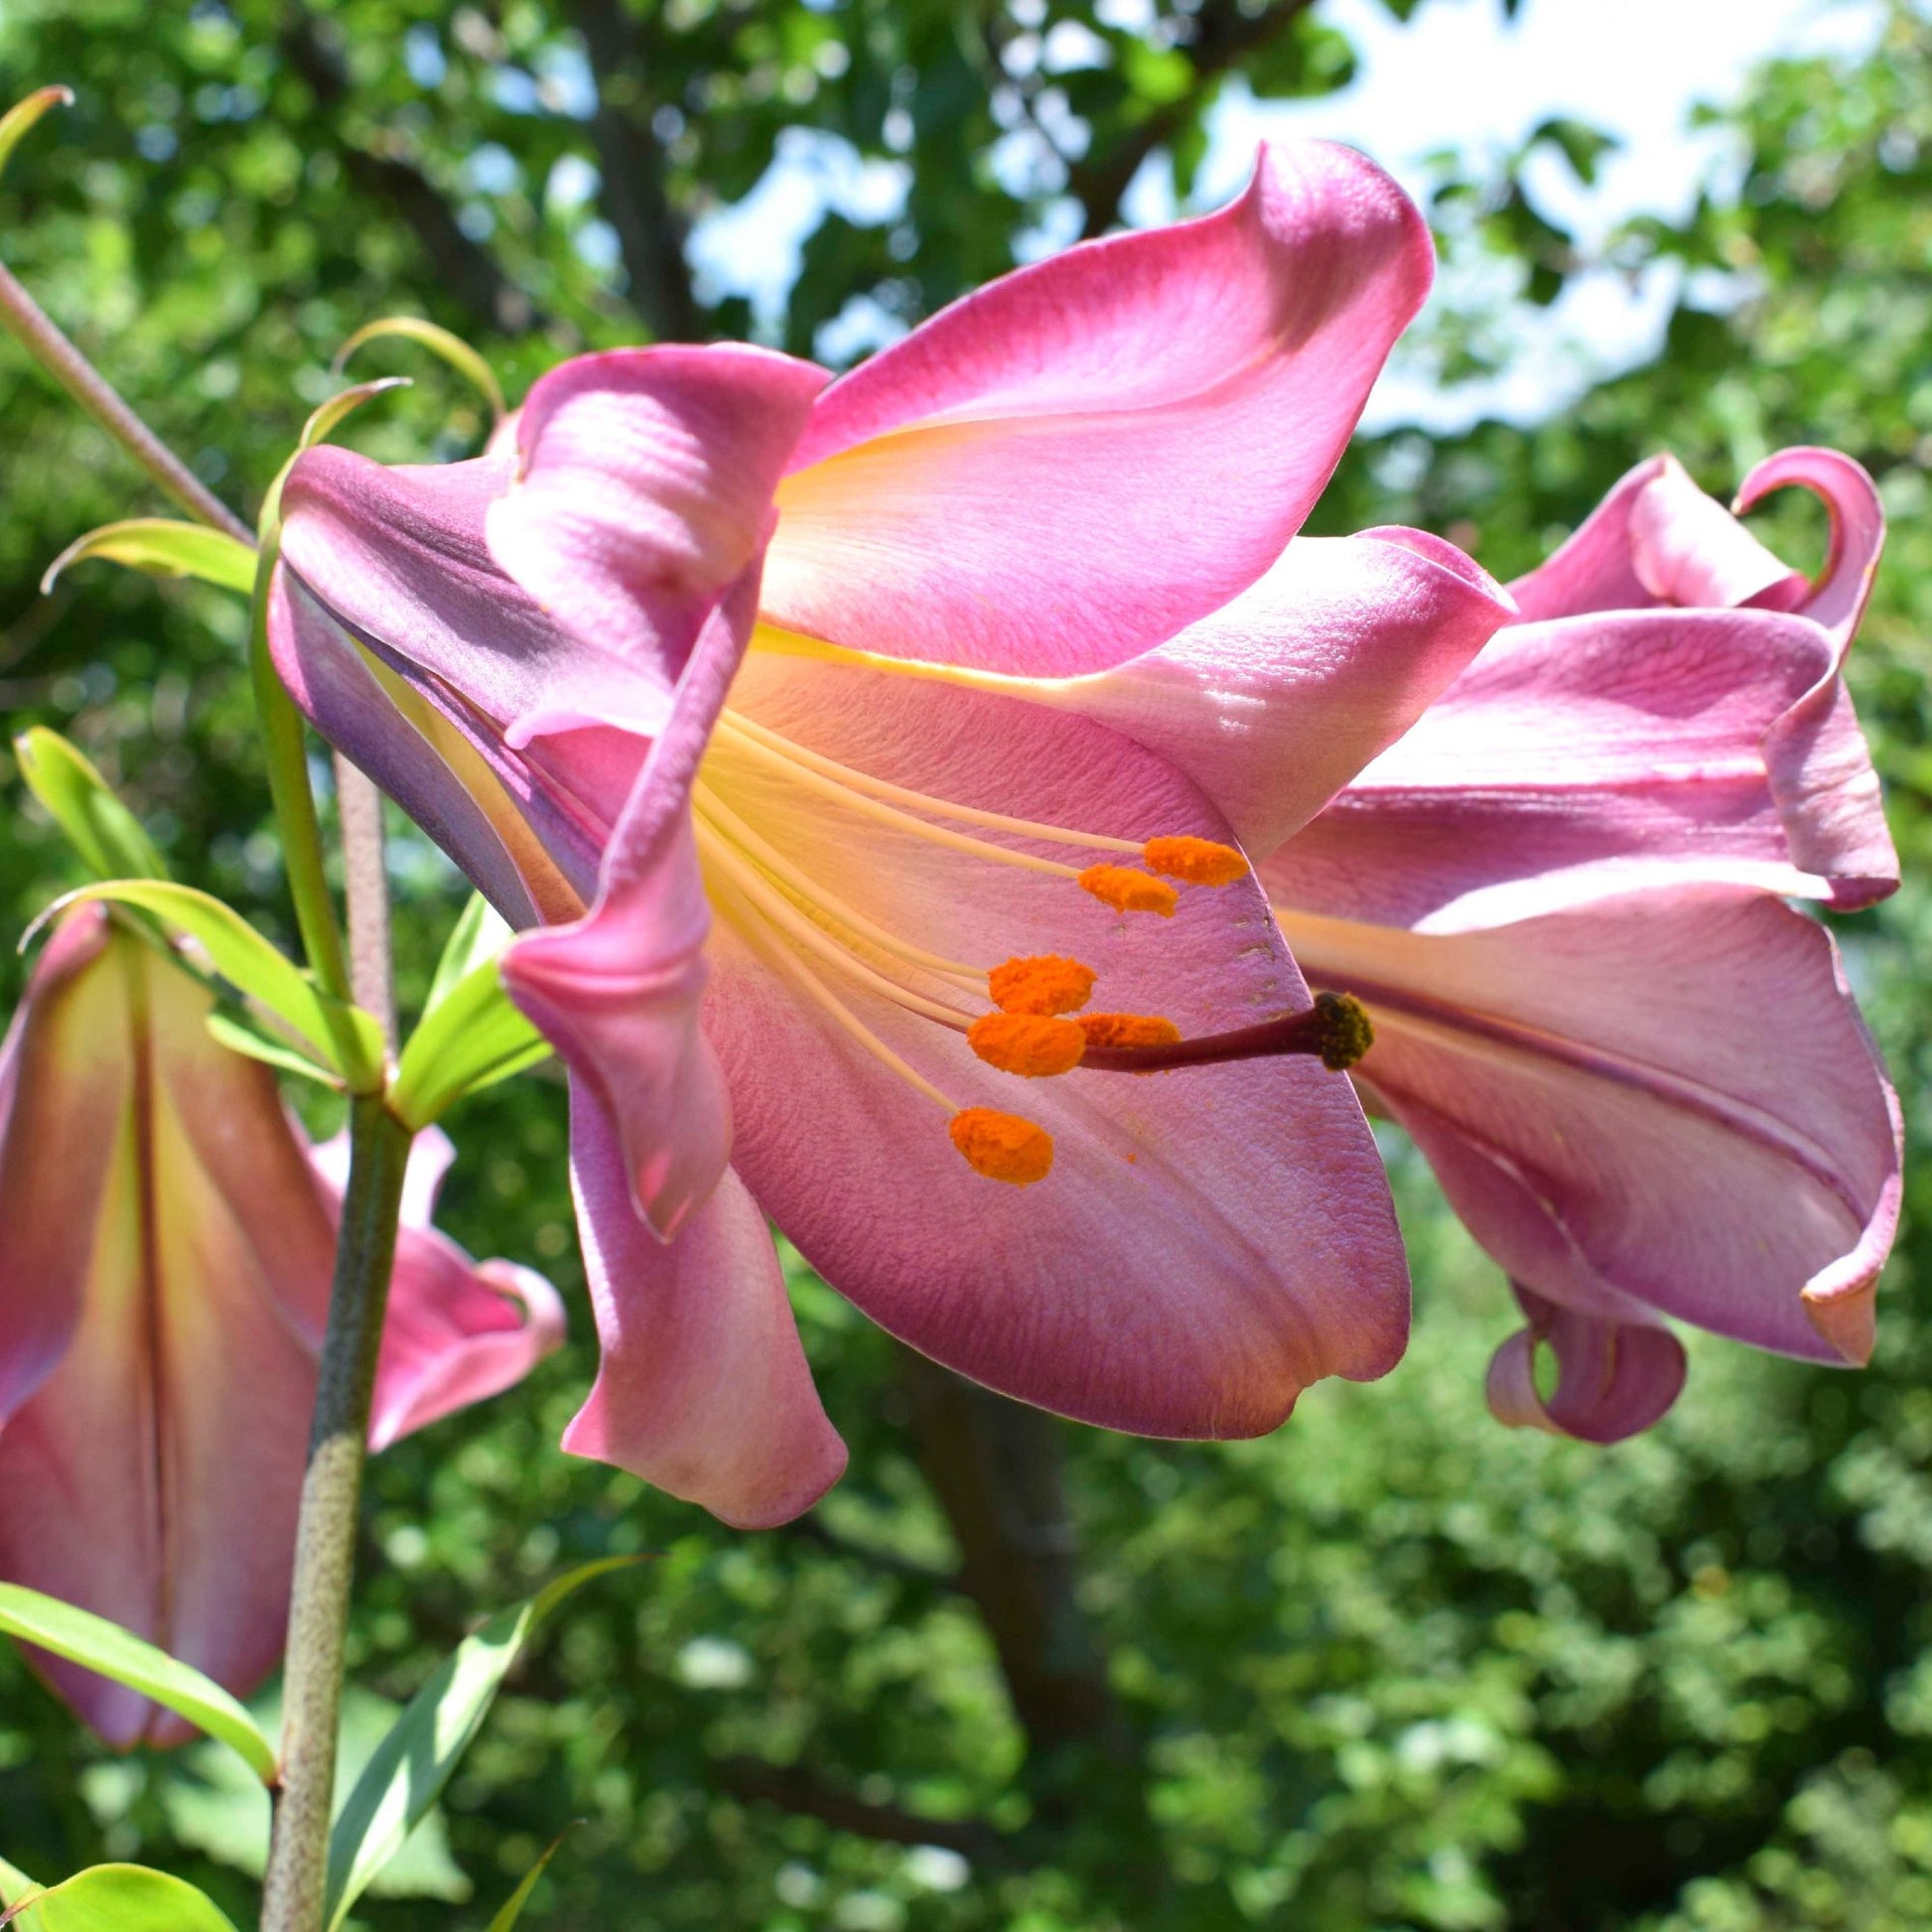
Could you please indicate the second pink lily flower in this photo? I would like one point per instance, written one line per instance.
(1639, 1075)
(788, 713)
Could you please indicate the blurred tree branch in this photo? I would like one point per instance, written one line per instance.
(796, 1790)
(464, 268)
(1225, 34)
(634, 194)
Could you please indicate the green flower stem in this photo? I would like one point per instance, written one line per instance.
(35, 331)
(286, 747)
(325, 1550)
(365, 868)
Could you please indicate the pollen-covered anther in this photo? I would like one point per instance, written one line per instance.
(1195, 861)
(1003, 1147)
(1044, 982)
(1128, 1030)
(1030, 1044)
(1128, 890)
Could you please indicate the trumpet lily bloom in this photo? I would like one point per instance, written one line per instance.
(1640, 1078)
(841, 746)
(166, 1247)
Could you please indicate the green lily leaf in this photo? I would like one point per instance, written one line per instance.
(344, 1037)
(83, 1638)
(123, 1898)
(164, 547)
(107, 836)
(22, 115)
(416, 1760)
(240, 1032)
(474, 1037)
(452, 348)
(480, 933)
(15, 1886)
(513, 1905)
(337, 408)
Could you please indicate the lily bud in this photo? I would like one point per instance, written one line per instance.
(167, 1239)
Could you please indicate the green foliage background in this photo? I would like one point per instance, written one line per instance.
(1392, 1668)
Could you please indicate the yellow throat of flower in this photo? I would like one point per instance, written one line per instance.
(827, 947)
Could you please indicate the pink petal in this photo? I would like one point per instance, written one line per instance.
(1276, 701)
(153, 1477)
(1178, 1272)
(401, 559)
(1817, 756)
(63, 1090)
(475, 801)
(703, 1388)
(1656, 538)
(1613, 1379)
(1069, 467)
(1596, 1093)
(1843, 588)
(617, 992)
(1591, 756)
(645, 491)
(1690, 551)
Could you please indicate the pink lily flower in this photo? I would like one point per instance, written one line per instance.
(167, 1237)
(1640, 1078)
(842, 744)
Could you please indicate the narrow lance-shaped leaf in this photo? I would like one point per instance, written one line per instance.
(338, 408)
(163, 547)
(473, 1038)
(415, 1761)
(480, 933)
(452, 348)
(123, 1898)
(344, 1037)
(22, 115)
(15, 1888)
(107, 836)
(513, 1905)
(93, 1641)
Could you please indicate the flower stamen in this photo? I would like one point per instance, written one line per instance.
(1045, 983)
(1195, 861)
(1128, 890)
(1003, 1147)
(1030, 1045)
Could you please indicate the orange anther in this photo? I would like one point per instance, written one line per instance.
(1195, 861)
(1027, 1044)
(1003, 1147)
(1128, 1030)
(1044, 982)
(1128, 890)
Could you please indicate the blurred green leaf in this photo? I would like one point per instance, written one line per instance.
(416, 1760)
(83, 1638)
(163, 547)
(440, 342)
(122, 1898)
(110, 839)
(343, 1038)
(23, 114)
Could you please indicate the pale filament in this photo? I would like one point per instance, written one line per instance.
(827, 1001)
(968, 978)
(753, 886)
(922, 801)
(730, 730)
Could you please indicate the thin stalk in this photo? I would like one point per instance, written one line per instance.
(287, 753)
(37, 333)
(365, 872)
(324, 1553)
